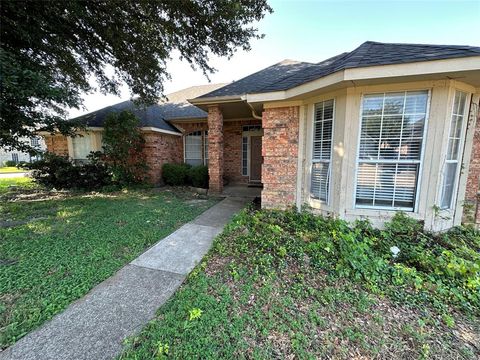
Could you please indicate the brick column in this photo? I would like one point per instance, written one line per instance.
(280, 153)
(215, 149)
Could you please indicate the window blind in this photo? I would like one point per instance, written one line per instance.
(390, 149)
(322, 150)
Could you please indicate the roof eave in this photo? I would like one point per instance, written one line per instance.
(418, 68)
(214, 100)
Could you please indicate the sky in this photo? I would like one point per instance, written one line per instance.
(315, 30)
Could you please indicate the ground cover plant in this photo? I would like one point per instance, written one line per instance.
(294, 285)
(57, 245)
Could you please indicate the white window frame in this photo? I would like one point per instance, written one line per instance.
(247, 132)
(421, 161)
(458, 160)
(312, 161)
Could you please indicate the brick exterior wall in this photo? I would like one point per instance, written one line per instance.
(215, 149)
(57, 144)
(233, 133)
(472, 197)
(232, 155)
(160, 149)
(280, 152)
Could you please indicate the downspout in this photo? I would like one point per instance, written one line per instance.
(254, 114)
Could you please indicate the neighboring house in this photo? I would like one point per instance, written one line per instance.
(17, 156)
(383, 128)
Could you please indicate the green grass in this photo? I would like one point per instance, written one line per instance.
(285, 285)
(11, 169)
(63, 246)
(22, 182)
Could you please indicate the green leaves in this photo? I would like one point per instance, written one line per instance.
(51, 52)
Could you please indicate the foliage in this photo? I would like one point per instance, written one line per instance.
(60, 172)
(185, 174)
(175, 174)
(198, 176)
(49, 53)
(294, 285)
(123, 145)
(64, 245)
(9, 163)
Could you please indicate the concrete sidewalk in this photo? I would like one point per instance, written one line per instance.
(95, 326)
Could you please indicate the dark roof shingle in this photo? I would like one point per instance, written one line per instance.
(283, 76)
(157, 115)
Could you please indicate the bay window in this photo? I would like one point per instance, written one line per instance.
(390, 149)
(322, 150)
(452, 160)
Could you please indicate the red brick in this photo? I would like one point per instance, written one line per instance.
(280, 151)
(57, 144)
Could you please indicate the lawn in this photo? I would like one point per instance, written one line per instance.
(56, 246)
(11, 169)
(285, 285)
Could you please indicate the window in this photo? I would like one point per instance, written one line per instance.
(322, 150)
(390, 149)
(205, 147)
(82, 146)
(245, 155)
(196, 148)
(247, 131)
(451, 167)
(35, 142)
(15, 157)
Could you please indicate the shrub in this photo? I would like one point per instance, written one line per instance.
(175, 174)
(123, 148)
(59, 172)
(198, 176)
(9, 163)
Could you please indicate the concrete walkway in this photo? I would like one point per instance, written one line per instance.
(95, 326)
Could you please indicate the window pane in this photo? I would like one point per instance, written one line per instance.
(320, 180)
(193, 148)
(453, 150)
(82, 146)
(387, 185)
(391, 139)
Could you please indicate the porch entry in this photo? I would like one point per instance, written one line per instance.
(252, 153)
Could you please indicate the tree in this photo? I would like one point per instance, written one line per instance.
(123, 145)
(50, 50)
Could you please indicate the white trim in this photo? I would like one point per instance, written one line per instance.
(301, 155)
(373, 72)
(155, 129)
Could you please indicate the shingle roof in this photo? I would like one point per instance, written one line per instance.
(158, 115)
(286, 75)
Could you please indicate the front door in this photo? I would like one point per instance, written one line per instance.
(255, 158)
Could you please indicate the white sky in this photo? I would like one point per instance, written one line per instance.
(315, 30)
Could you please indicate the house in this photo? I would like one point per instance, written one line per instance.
(18, 156)
(382, 128)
